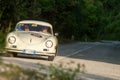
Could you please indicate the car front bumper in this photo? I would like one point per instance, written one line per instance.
(31, 52)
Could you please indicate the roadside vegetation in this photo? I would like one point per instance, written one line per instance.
(81, 20)
(2, 41)
(86, 20)
(12, 72)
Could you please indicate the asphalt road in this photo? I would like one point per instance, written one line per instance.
(101, 59)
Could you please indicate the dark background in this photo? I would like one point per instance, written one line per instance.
(86, 20)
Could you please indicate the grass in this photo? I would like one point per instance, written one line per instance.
(12, 72)
(1, 61)
(60, 72)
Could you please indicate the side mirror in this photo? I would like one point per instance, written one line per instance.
(56, 34)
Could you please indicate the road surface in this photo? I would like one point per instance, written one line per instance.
(101, 59)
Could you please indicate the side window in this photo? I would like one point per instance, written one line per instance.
(46, 29)
(23, 27)
(49, 30)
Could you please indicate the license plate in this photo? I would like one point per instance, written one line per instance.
(29, 51)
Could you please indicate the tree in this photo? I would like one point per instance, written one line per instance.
(85, 19)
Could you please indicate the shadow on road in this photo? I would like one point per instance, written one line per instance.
(33, 57)
(103, 52)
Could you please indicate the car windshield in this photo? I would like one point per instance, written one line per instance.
(33, 27)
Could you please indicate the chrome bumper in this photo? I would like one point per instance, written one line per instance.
(31, 52)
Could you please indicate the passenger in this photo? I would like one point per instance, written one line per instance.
(20, 27)
(44, 30)
(26, 28)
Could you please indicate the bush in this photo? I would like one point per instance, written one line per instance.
(53, 72)
(61, 72)
(12, 72)
(112, 31)
(2, 40)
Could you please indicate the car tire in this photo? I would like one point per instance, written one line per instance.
(50, 58)
(56, 51)
(13, 54)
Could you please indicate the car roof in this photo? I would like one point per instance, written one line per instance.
(36, 22)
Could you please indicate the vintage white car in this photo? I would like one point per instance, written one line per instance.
(34, 38)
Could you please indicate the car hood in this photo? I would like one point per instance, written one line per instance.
(32, 37)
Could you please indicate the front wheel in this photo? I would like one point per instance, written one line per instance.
(13, 54)
(56, 51)
(50, 58)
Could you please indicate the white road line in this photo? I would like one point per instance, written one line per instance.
(76, 52)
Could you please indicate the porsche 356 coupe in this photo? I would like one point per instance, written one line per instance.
(34, 38)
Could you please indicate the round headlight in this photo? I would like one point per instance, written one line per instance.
(11, 39)
(49, 44)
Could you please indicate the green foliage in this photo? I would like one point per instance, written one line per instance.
(12, 72)
(113, 30)
(87, 20)
(2, 40)
(1, 61)
(60, 72)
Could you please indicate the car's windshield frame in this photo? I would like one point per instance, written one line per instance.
(33, 27)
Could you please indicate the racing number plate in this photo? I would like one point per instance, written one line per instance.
(29, 51)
